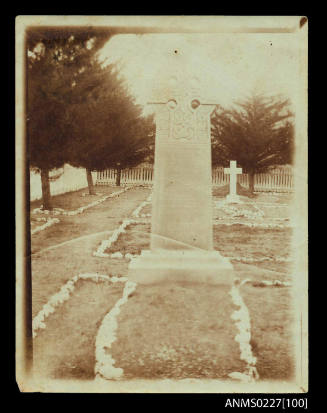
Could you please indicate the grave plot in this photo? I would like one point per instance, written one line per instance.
(267, 249)
(264, 248)
(38, 224)
(262, 211)
(156, 351)
(257, 232)
(66, 249)
(72, 227)
(133, 241)
(146, 211)
(272, 325)
(227, 212)
(281, 198)
(65, 347)
(177, 330)
(276, 212)
(263, 254)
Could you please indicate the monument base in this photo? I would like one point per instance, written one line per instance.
(199, 266)
(233, 199)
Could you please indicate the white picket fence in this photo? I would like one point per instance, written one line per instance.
(128, 176)
(72, 179)
(278, 180)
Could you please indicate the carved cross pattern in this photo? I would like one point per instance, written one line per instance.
(183, 123)
(181, 114)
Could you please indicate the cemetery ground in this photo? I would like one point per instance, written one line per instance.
(176, 331)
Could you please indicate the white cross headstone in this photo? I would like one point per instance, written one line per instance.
(182, 228)
(232, 171)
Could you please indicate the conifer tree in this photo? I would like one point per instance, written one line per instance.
(78, 109)
(107, 126)
(258, 133)
(55, 58)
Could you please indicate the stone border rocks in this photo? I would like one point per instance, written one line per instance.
(261, 259)
(64, 294)
(252, 224)
(48, 223)
(104, 366)
(105, 244)
(241, 317)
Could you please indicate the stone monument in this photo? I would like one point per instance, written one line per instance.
(232, 197)
(182, 229)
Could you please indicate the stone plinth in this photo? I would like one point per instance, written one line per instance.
(179, 266)
(181, 232)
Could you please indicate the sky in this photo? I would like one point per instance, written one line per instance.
(229, 66)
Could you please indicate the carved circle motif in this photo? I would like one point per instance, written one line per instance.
(195, 104)
(172, 104)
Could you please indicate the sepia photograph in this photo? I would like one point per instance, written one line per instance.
(161, 204)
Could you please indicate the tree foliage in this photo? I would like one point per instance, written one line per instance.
(55, 59)
(107, 125)
(258, 133)
(78, 109)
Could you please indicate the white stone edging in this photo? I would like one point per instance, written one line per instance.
(60, 211)
(271, 283)
(261, 259)
(87, 194)
(282, 193)
(104, 366)
(268, 204)
(241, 318)
(106, 244)
(252, 224)
(136, 212)
(235, 212)
(130, 256)
(63, 295)
(49, 222)
(118, 255)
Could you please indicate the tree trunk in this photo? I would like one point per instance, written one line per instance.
(90, 181)
(118, 176)
(251, 182)
(46, 195)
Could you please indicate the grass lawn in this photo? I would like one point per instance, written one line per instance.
(241, 241)
(231, 241)
(147, 209)
(104, 216)
(134, 240)
(177, 331)
(66, 348)
(73, 241)
(270, 307)
(75, 199)
(272, 207)
(271, 330)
